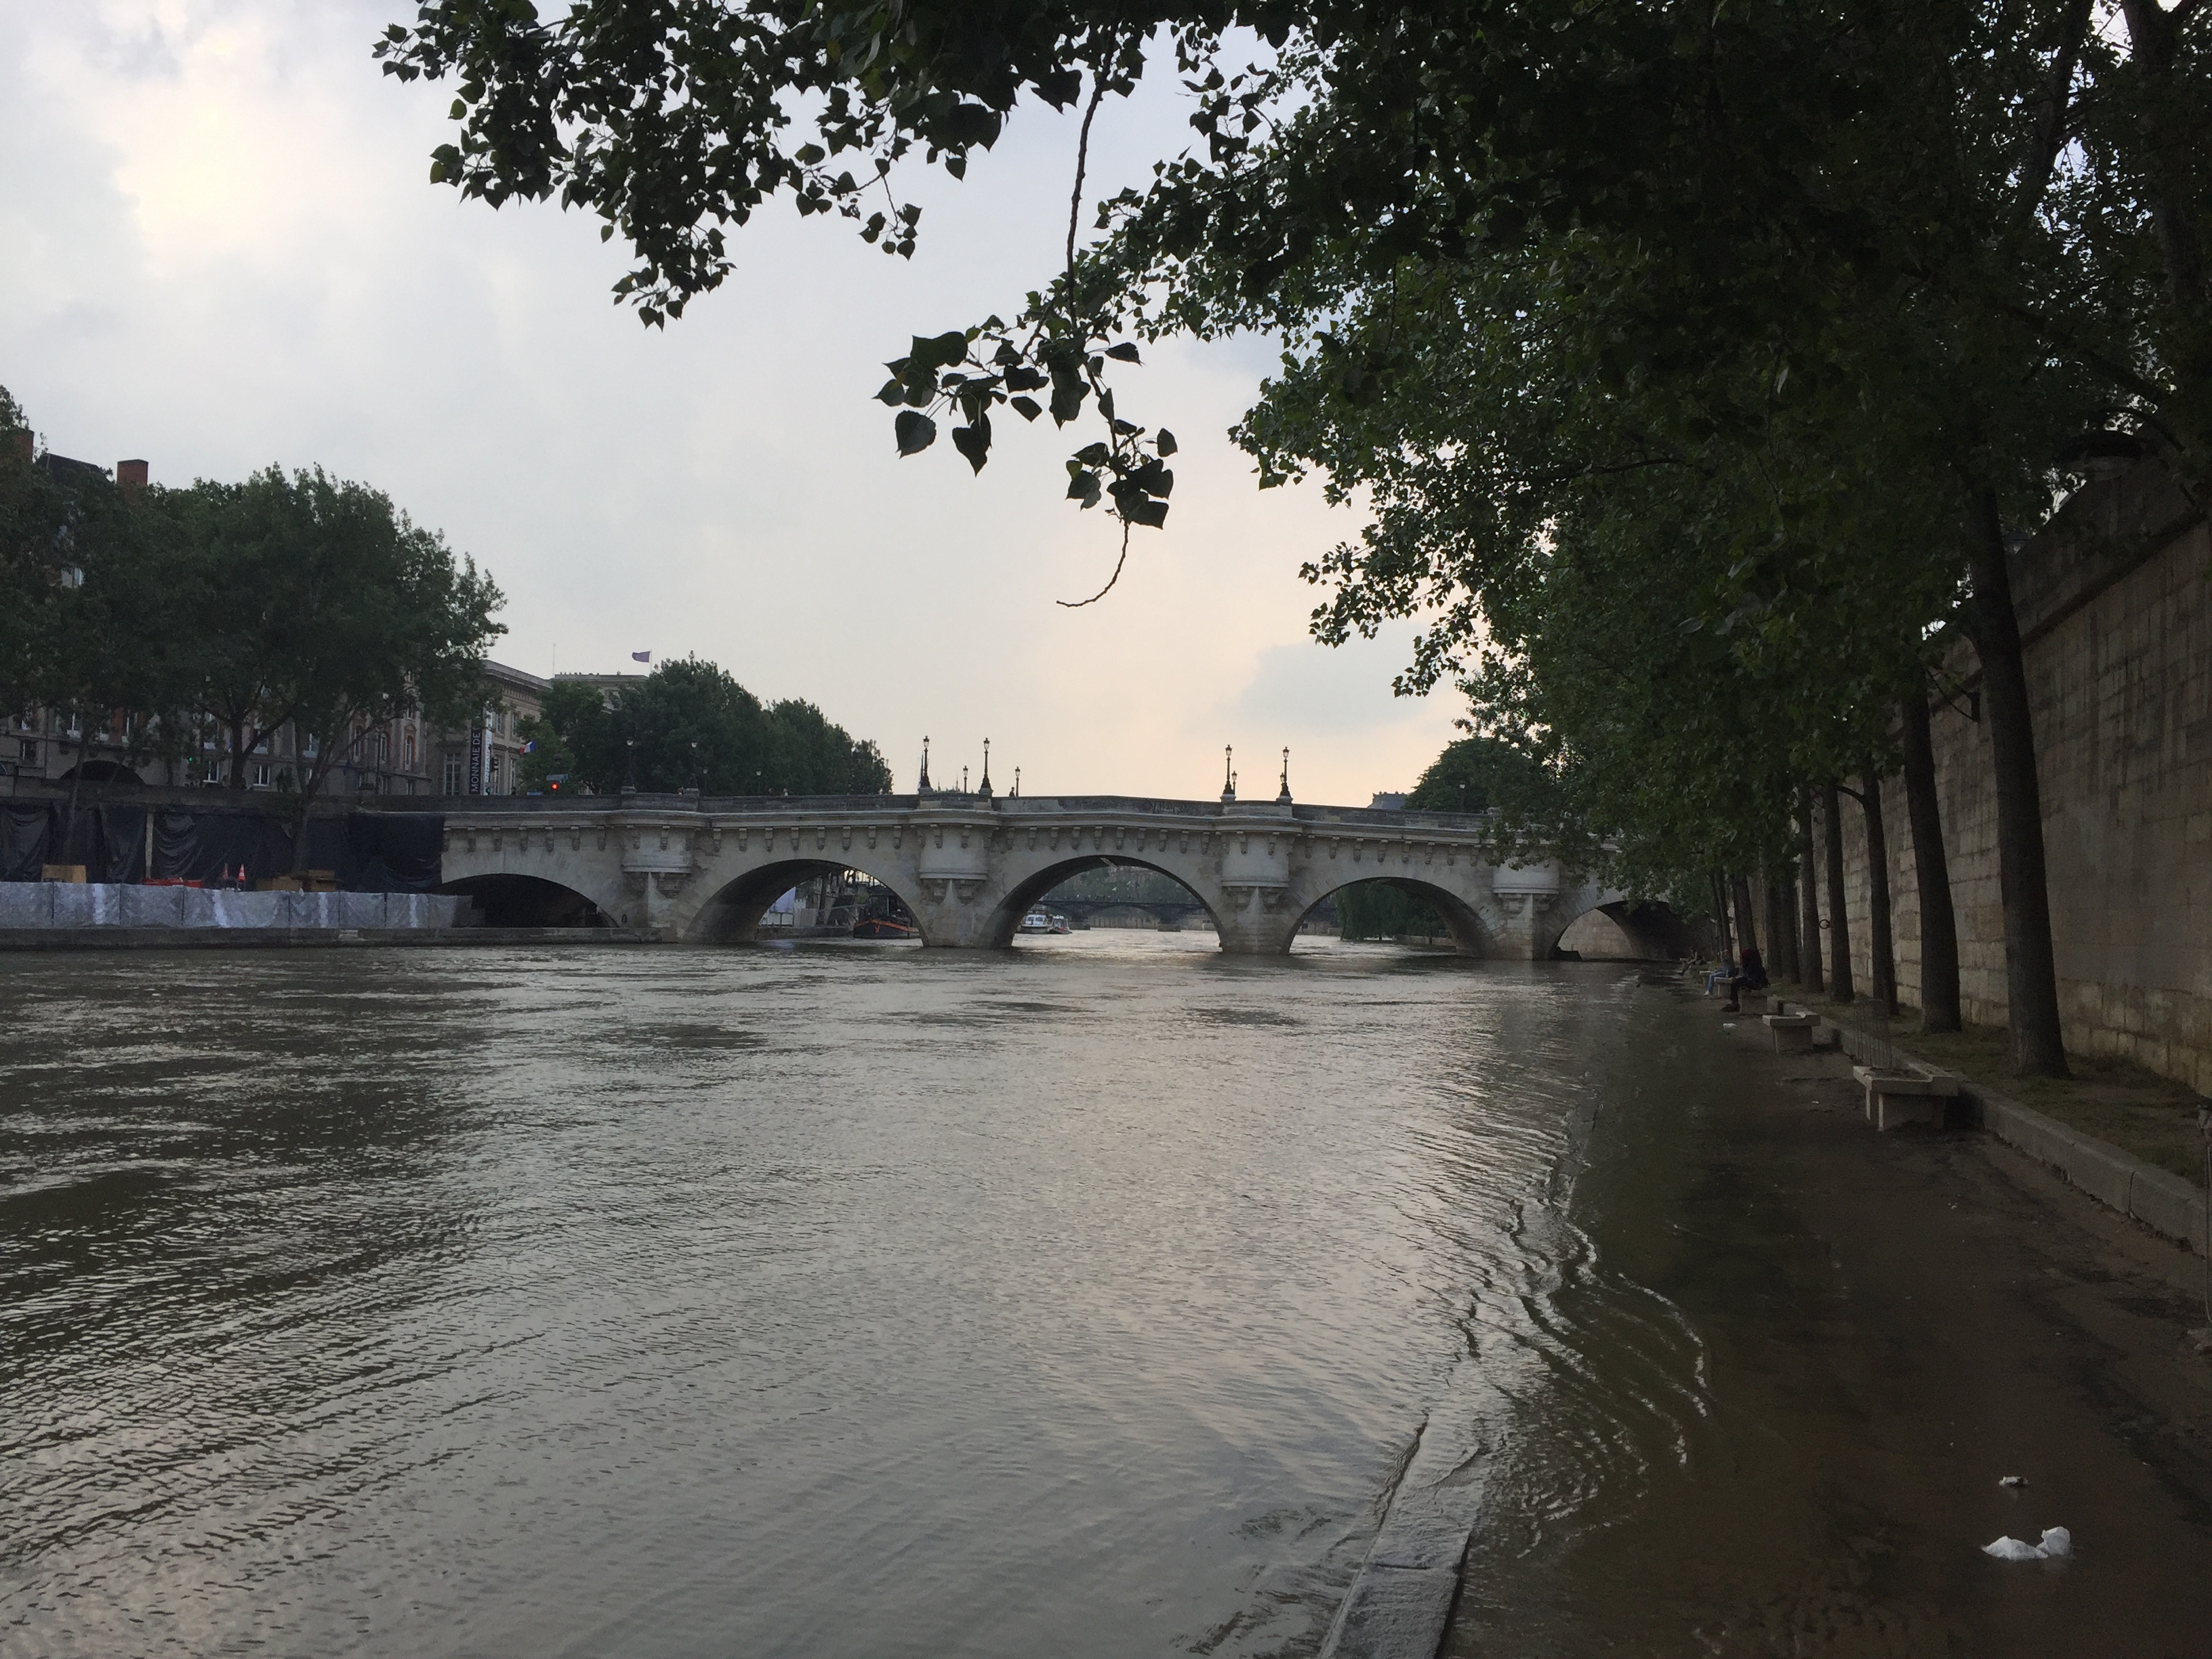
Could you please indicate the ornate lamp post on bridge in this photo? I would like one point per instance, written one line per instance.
(1228, 771)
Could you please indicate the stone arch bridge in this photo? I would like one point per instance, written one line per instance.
(968, 867)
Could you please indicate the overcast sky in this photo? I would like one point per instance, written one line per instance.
(220, 250)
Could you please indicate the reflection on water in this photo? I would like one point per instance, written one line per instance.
(1079, 1299)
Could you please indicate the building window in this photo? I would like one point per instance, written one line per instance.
(411, 752)
(261, 775)
(452, 775)
(494, 774)
(29, 748)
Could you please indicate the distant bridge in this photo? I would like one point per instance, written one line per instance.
(1160, 910)
(969, 867)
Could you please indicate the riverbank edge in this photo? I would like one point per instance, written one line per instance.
(2156, 1198)
(201, 939)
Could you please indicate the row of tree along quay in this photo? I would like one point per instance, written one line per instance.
(1700, 364)
(195, 624)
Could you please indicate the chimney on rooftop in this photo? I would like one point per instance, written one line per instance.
(131, 477)
(25, 445)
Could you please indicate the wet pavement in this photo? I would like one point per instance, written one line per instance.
(1889, 1326)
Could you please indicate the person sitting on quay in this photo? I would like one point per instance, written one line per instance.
(1750, 975)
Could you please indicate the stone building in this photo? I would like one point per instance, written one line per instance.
(407, 756)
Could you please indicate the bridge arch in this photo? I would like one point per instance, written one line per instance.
(1648, 930)
(1473, 933)
(1006, 919)
(732, 913)
(509, 899)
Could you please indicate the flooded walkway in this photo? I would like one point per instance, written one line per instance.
(1889, 1326)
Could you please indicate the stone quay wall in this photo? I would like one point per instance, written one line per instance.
(2115, 600)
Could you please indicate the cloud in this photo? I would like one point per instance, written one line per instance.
(222, 251)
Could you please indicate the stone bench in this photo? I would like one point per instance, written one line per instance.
(1895, 1098)
(1751, 1002)
(1792, 1033)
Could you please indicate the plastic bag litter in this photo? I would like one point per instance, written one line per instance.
(2012, 1481)
(2057, 1543)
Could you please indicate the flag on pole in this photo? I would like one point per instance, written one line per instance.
(641, 656)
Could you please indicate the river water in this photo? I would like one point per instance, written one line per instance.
(1078, 1299)
(1086, 1299)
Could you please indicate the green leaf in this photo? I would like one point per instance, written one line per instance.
(974, 441)
(1125, 353)
(1136, 510)
(1093, 454)
(1165, 443)
(1028, 408)
(916, 432)
(1084, 487)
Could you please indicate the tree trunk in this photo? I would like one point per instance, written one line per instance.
(1781, 931)
(238, 754)
(1727, 941)
(1839, 931)
(1878, 919)
(1808, 947)
(2154, 42)
(1746, 935)
(1939, 927)
(2031, 970)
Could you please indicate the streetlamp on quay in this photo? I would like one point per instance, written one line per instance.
(629, 766)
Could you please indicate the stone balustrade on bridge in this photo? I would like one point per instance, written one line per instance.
(969, 866)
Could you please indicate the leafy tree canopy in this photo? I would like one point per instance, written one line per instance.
(313, 601)
(690, 724)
